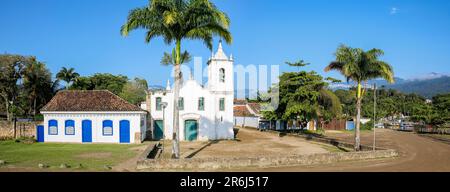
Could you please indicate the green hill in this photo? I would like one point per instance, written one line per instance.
(427, 88)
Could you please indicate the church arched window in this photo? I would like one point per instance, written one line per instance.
(222, 75)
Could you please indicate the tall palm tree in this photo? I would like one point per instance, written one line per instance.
(67, 75)
(360, 66)
(174, 21)
(37, 83)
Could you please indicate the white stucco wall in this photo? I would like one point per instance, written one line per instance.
(136, 119)
(248, 121)
(213, 123)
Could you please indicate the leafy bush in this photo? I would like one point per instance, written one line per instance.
(367, 126)
(39, 117)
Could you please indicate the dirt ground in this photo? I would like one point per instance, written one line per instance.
(416, 153)
(253, 143)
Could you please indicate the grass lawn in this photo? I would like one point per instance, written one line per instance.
(90, 156)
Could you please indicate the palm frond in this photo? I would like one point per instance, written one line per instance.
(335, 65)
(299, 63)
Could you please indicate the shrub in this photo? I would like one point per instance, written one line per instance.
(367, 126)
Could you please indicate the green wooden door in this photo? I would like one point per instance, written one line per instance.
(159, 129)
(190, 130)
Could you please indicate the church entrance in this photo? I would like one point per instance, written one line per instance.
(190, 130)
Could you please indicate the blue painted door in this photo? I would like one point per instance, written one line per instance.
(124, 131)
(190, 130)
(86, 131)
(40, 133)
(159, 129)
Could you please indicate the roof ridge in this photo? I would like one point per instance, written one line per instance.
(89, 100)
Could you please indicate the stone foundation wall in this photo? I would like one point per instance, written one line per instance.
(241, 162)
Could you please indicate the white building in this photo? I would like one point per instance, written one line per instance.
(206, 111)
(91, 117)
(246, 114)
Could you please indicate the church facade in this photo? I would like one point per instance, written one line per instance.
(206, 111)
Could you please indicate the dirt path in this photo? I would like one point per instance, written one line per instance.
(130, 164)
(416, 153)
(253, 143)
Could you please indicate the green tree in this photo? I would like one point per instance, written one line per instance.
(441, 104)
(360, 66)
(38, 85)
(101, 81)
(348, 100)
(135, 91)
(11, 70)
(106, 81)
(303, 97)
(175, 21)
(83, 83)
(67, 75)
(426, 114)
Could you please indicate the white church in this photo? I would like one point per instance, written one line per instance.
(206, 111)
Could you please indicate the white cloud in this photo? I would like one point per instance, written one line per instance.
(394, 10)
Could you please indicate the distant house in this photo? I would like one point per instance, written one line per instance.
(246, 114)
(92, 117)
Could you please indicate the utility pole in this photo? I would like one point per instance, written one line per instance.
(374, 113)
(164, 105)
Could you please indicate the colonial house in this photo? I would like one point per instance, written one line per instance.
(246, 114)
(205, 111)
(91, 117)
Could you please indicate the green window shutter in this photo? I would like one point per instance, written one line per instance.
(201, 104)
(222, 104)
(158, 103)
(181, 103)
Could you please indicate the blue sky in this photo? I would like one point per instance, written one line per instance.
(84, 34)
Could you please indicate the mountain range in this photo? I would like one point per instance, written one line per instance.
(427, 85)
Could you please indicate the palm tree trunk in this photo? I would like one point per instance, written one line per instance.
(176, 115)
(358, 118)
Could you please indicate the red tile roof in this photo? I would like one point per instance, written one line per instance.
(256, 107)
(239, 101)
(88, 100)
(242, 111)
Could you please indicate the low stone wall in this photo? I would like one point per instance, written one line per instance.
(260, 162)
(23, 129)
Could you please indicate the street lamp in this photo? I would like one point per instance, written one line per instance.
(163, 105)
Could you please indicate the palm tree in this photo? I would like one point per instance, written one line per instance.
(360, 66)
(67, 75)
(174, 21)
(170, 59)
(37, 83)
